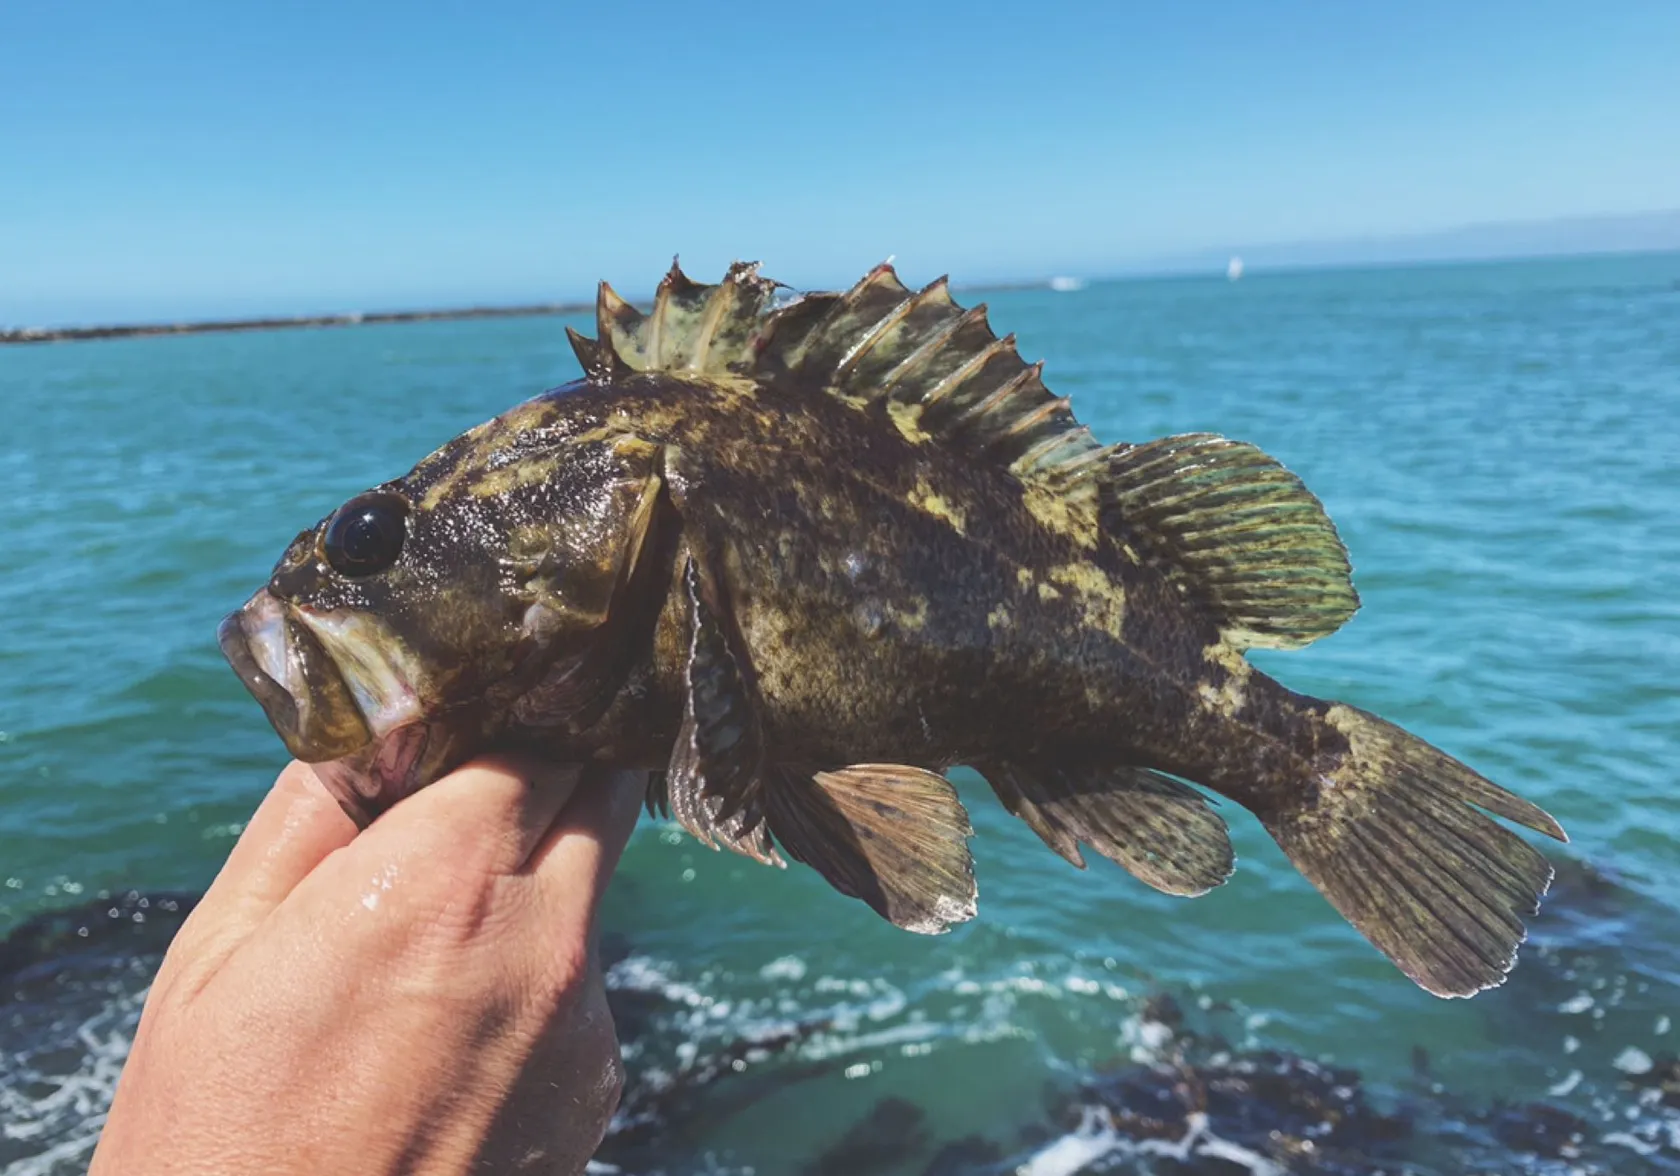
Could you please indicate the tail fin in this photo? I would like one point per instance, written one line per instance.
(1389, 837)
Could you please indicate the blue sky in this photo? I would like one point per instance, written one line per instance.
(169, 159)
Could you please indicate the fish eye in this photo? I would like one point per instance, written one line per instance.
(365, 535)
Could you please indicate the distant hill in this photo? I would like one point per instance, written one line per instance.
(1647, 232)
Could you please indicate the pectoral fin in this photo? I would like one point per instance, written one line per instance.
(712, 784)
(894, 836)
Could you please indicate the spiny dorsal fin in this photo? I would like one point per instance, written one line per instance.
(939, 364)
(691, 327)
(1250, 544)
(599, 361)
(936, 365)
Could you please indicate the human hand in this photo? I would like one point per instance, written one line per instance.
(422, 997)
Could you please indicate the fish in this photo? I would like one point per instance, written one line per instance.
(798, 556)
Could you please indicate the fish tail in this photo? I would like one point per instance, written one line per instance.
(1387, 832)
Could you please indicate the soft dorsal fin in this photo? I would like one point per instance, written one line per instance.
(1244, 539)
(1240, 534)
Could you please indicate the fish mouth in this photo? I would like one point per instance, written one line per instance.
(342, 694)
(299, 686)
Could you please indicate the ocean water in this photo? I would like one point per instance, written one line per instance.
(1499, 445)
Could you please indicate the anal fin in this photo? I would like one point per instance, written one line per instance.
(1164, 832)
(894, 836)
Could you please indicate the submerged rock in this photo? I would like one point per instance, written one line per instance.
(103, 931)
(894, 1130)
(71, 986)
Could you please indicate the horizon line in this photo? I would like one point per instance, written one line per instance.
(1199, 265)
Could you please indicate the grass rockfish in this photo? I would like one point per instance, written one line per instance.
(799, 559)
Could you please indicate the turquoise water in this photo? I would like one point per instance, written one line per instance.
(1499, 444)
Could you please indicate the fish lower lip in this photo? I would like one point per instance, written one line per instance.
(300, 689)
(277, 702)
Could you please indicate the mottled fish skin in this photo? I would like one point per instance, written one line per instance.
(798, 561)
(887, 619)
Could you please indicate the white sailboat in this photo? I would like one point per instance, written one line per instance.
(1233, 269)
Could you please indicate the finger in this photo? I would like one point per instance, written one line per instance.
(296, 827)
(576, 859)
(491, 813)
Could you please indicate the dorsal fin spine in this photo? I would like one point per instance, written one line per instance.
(656, 320)
(770, 346)
(1042, 456)
(599, 360)
(1011, 387)
(934, 344)
(718, 301)
(616, 324)
(610, 310)
(879, 331)
(840, 308)
(960, 375)
(1029, 421)
(935, 291)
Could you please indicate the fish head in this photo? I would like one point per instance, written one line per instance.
(394, 639)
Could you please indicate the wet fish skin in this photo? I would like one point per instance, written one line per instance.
(870, 617)
(803, 560)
